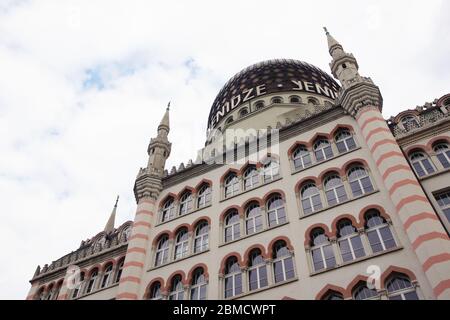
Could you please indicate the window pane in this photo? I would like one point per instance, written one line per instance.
(345, 250)
(351, 143)
(356, 189)
(388, 239)
(317, 203)
(331, 198)
(428, 166)
(263, 276)
(306, 206)
(253, 279)
(367, 185)
(443, 160)
(418, 169)
(358, 247)
(319, 155)
(341, 146)
(289, 268)
(374, 241)
(342, 195)
(395, 298)
(411, 296)
(329, 256)
(238, 283)
(278, 271)
(317, 259)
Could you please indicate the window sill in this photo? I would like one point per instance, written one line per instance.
(249, 293)
(432, 175)
(339, 204)
(315, 164)
(178, 260)
(184, 215)
(252, 189)
(375, 255)
(96, 291)
(253, 234)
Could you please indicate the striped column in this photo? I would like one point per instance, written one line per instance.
(138, 247)
(426, 233)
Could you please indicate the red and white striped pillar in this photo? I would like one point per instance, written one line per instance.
(421, 223)
(138, 247)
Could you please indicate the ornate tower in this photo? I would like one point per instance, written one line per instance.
(147, 188)
(361, 98)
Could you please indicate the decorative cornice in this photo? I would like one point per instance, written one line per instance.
(360, 95)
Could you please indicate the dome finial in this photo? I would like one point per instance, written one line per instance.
(168, 106)
(326, 31)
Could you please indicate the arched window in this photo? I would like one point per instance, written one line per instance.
(277, 100)
(40, 294)
(231, 185)
(186, 203)
(78, 285)
(378, 232)
(243, 112)
(50, 292)
(253, 218)
(181, 244)
(362, 292)
(313, 101)
(310, 196)
(350, 243)
(57, 290)
(155, 291)
(198, 285)
(92, 281)
(275, 210)
(295, 99)
(360, 182)
(321, 250)
(168, 210)
(421, 164)
(233, 278)
(176, 288)
(443, 201)
(229, 120)
(399, 287)
(443, 154)
(410, 122)
(335, 190)
(333, 295)
(257, 271)
(232, 226)
(119, 270)
(251, 177)
(322, 150)
(302, 158)
(106, 275)
(271, 170)
(201, 237)
(344, 141)
(162, 251)
(259, 105)
(204, 196)
(283, 264)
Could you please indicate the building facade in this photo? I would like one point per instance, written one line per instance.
(303, 191)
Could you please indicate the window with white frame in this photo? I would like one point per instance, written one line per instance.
(232, 278)
(322, 252)
(198, 285)
(443, 154)
(310, 197)
(91, 284)
(119, 270)
(162, 251)
(421, 164)
(276, 212)
(201, 237)
(399, 287)
(181, 244)
(251, 177)
(378, 232)
(335, 190)
(302, 158)
(271, 170)
(106, 275)
(349, 240)
(176, 288)
(257, 270)
(443, 201)
(362, 292)
(322, 150)
(186, 203)
(204, 196)
(344, 141)
(283, 264)
(168, 210)
(232, 226)
(155, 291)
(78, 285)
(231, 185)
(360, 182)
(253, 218)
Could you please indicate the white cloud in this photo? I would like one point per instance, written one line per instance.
(84, 84)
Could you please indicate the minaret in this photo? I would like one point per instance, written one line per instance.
(112, 218)
(147, 188)
(361, 98)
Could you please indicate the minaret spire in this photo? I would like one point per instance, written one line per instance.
(112, 218)
(334, 47)
(165, 123)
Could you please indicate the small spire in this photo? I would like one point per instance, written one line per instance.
(110, 224)
(168, 106)
(326, 31)
(165, 120)
(332, 43)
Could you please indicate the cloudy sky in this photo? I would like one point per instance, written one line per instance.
(83, 85)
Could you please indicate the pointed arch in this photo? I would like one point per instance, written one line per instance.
(191, 272)
(394, 269)
(322, 226)
(334, 227)
(255, 246)
(329, 288)
(229, 255)
(225, 175)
